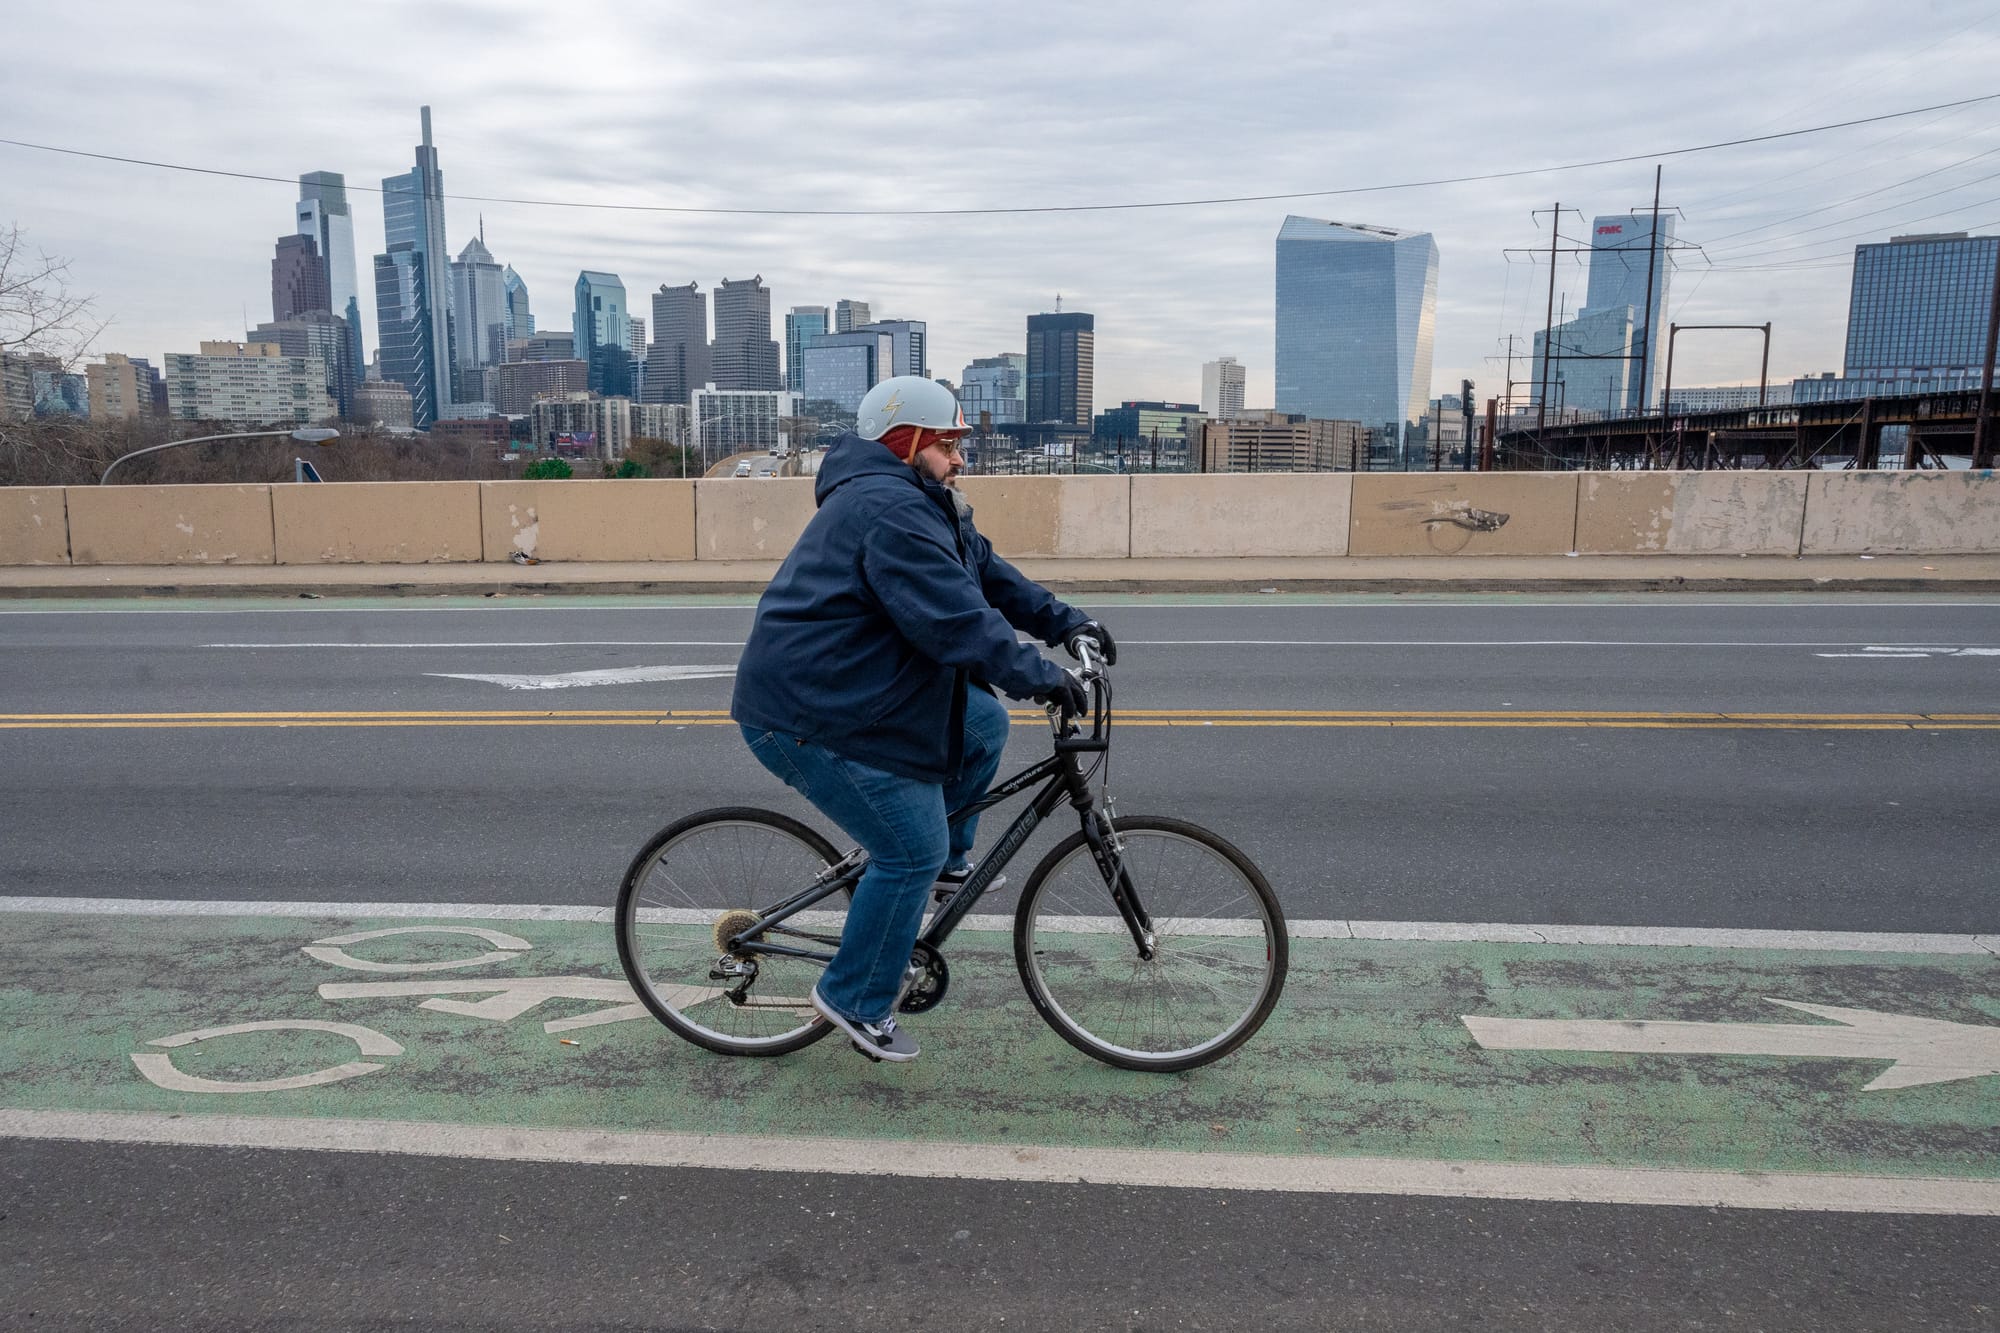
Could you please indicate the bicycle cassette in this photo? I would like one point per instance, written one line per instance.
(731, 924)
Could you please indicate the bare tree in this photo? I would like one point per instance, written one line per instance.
(38, 311)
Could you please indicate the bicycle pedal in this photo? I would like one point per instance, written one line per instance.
(865, 1051)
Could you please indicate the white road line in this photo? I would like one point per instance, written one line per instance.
(1971, 650)
(568, 680)
(1301, 1174)
(1840, 601)
(1490, 932)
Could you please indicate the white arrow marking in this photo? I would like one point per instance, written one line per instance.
(610, 676)
(510, 997)
(1917, 652)
(1925, 1050)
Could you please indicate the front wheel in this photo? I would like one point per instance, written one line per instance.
(1217, 939)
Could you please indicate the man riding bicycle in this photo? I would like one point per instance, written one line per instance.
(866, 682)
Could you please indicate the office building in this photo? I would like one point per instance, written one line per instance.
(298, 278)
(249, 384)
(319, 334)
(801, 322)
(735, 421)
(838, 369)
(1281, 442)
(912, 358)
(602, 331)
(520, 319)
(677, 360)
(413, 222)
(323, 214)
(746, 356)
(1590, 364)
(125, 388)
(1916, 313)
(1730, 397)
(517, 384)
(555, 345)
(383, 403)
(480, 322)
(1062, 369)
(1444, 433)
(17, 386)
(1222, 387)
(1356, 309)
(403, 328)
(603, 426)
(1626, 260)
(850, 315)
(996, 386)
(671, 422)
(1155, 436)
(60, 393)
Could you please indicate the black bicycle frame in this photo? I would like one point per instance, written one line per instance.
(1064, 782)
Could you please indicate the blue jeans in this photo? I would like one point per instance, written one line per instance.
(901, 824)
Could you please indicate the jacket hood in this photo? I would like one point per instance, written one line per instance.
(851, 457)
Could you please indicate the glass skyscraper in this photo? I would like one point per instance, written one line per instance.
(323, 214)
(1917, 310)
(801, 323)
(403, 328)
(413, 218)
(520, 319)
(1623, 253)
(1356, 311)
(602, 330)
(1062, 368)
(479, 318)
(838, 369)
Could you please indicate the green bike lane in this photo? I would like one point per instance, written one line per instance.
(1832, 1072)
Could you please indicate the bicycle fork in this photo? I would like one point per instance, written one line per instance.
(1108, 850)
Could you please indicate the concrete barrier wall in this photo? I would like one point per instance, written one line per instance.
(750, 519)
(34, 526)
(170, 525)
(1084, 518)
(629, 519)
(1892, 513)
(1241, 514)
(1143, 516)
(377, 522)
(1690, 513)
(1442, 513)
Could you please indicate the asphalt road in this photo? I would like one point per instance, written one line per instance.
(1820, 827)
(1789, 829)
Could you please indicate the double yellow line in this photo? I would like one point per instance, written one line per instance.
(1134, 717)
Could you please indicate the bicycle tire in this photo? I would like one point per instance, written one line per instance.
(666, 958)
(1061, 964)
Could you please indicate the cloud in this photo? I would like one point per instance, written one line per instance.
(959, 104)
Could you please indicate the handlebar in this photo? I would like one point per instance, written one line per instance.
(1091, 668)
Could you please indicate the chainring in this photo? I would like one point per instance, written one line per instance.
(930, 981)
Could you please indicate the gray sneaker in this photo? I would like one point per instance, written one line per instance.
(951, 881)
(877, 1041)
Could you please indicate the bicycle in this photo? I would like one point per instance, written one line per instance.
(726, 917)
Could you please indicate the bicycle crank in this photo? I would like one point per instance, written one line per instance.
(924, 981)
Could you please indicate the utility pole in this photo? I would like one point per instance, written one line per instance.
(1652, 255)
(1549, 324)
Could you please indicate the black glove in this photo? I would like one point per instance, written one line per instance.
(1107, 647)
(1071, 695)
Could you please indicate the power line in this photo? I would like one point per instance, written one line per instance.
(1052, 208)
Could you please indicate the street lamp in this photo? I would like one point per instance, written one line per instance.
(304, 435)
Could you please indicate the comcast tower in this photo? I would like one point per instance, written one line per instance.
(1357, 306)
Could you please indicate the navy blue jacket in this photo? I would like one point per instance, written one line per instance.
(888, 605)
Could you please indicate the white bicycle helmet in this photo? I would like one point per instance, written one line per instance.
(907, 400)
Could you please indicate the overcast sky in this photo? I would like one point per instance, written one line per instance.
(945, 104)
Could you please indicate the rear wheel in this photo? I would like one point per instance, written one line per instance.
(1219, 948)
(700, 881)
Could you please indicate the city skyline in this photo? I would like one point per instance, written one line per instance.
(1171, 289)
